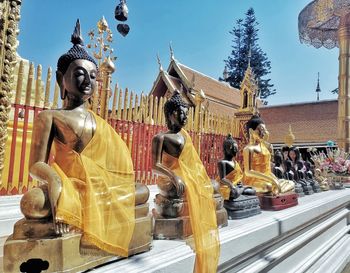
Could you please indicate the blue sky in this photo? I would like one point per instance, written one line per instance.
(199, 32)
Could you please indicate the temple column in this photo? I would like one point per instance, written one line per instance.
(343, 128)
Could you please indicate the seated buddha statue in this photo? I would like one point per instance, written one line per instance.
(87, 195)
(186, 199)
(240, 201)
(310, 177)
(300, 176)
(289, 175)
(274, 193)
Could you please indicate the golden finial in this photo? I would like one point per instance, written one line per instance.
(289, 138)
(101, 44)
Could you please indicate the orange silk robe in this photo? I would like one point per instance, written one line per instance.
(98, 190)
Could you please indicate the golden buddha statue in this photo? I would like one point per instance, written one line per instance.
(240, 201)
(185, 204)
(87, 192)
(257, 170)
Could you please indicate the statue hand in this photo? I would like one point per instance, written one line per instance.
(179, 185)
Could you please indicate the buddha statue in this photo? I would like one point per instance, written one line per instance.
(274, 193)
(86, 201)
(289, 175)
(186, 196)
(240, 201)
(300, 177)
(310, 177)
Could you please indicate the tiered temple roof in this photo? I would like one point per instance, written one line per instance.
(221, 97)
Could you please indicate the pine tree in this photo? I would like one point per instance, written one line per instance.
(246, 38)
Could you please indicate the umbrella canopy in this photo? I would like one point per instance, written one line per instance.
(318, 22)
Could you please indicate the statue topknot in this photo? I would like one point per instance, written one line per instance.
(76, 52)
(174, 103)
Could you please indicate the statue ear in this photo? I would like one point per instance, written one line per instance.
(59, 79)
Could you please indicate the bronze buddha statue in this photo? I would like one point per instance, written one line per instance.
(310, 177)
(87, 195)
(257, 170)
(186, 196)
(289, 175)
(299, 168)
(240, 201)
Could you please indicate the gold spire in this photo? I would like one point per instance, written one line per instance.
(289, 138)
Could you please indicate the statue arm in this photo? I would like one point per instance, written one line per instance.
(157, 165)
(39, 169)
(223, 173)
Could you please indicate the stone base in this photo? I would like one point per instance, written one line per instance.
(308, 190)
(242, 207)
(180, 227)
(279, 202)
(299, 190)
(64, 254)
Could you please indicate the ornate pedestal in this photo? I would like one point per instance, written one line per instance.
(299, 190)
(242, 207)
(65, 254)
(171, 217)
(279, 202)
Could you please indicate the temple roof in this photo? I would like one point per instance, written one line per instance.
(313, 123)
(221, 97)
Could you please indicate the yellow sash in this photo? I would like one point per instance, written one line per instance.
(98, 190)
(199, 193)
(234, 176)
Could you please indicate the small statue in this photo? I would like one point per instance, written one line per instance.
(324, 184)
(257, 170)
(88, 189)
(310, 178)
(186, 198)
(301, 178)
(240, 201)
(289, 175)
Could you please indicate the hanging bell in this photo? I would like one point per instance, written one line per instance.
(123, 29)
(121, 11)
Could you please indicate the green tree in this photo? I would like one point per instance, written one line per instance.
(245, 39)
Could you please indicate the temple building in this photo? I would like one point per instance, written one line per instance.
(220, 97)
(312, 123)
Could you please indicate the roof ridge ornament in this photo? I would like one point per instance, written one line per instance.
(172, 57)
(159, 63)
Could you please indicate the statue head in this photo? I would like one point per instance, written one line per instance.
(256, 128)
(278, 158)
(230, 146)
(76, 71)
(175, 111)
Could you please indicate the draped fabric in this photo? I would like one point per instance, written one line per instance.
(199, 193)
(261, 163)
(235, 176)
(98, 190)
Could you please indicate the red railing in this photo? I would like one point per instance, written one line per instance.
(137, 135)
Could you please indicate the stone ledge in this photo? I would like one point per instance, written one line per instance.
(305, 238)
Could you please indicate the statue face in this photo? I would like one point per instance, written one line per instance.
(231, 150)
(179, 117)
(261, 132)
(80, 79)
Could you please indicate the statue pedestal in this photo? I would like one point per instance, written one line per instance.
(242, 207)
(279, 202)
(169, 228)
(64, 254)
